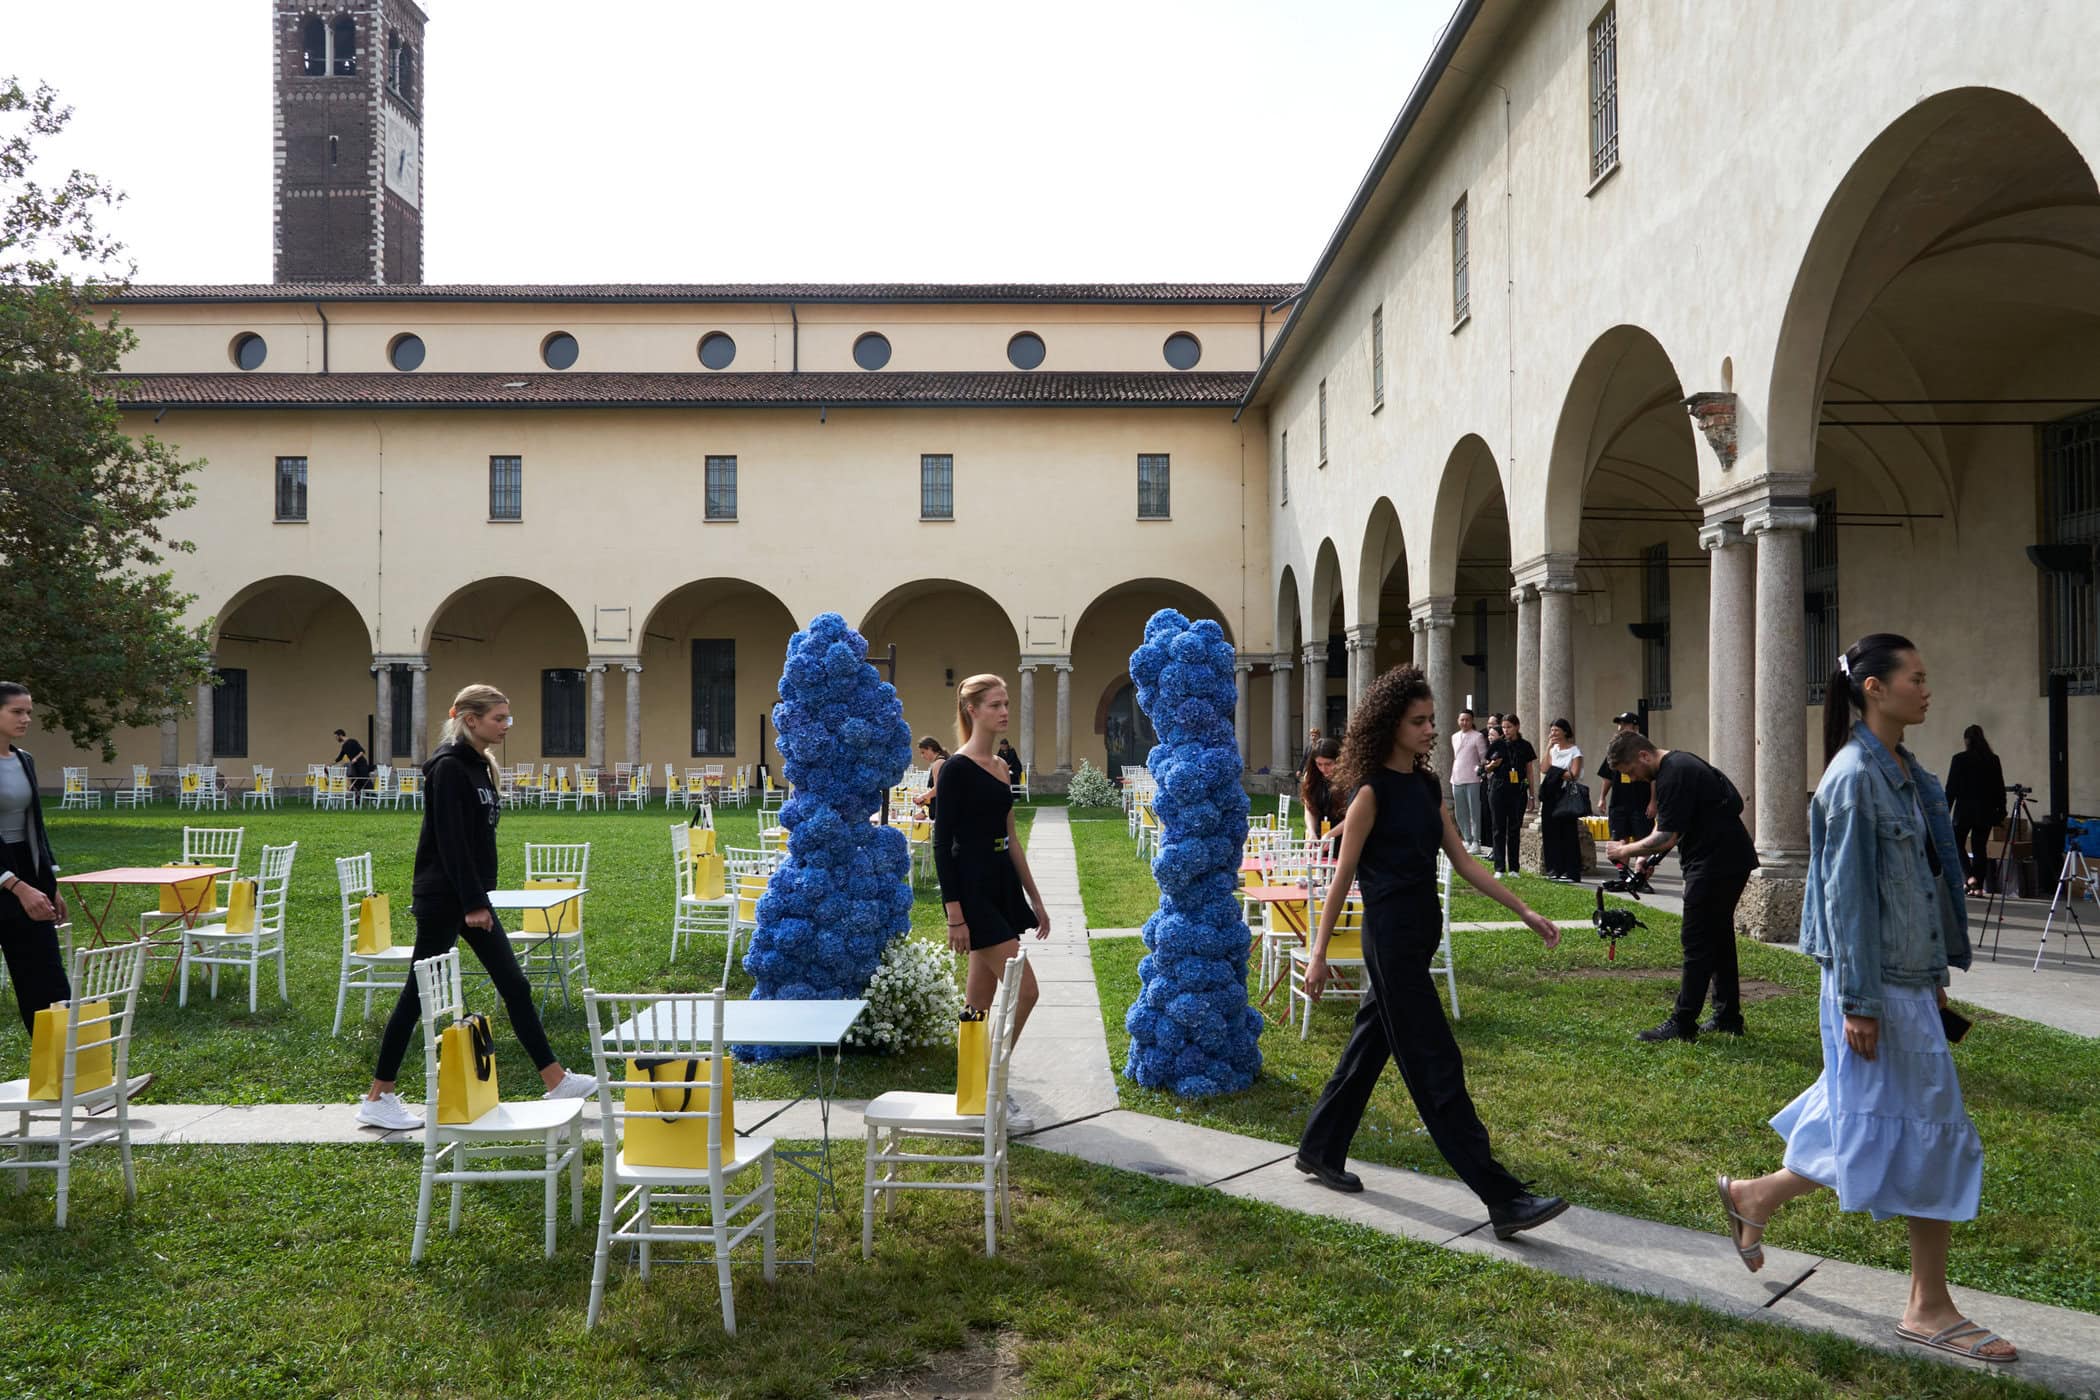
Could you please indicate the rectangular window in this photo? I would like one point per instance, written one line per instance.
(506, 488)
(1284, 475)
(229, 714)
(1323, 422)
(1377, 358)
(1153, 500)
(721, 488)
(564, 710)
(401, 709)
(291, 488)
(1819, 595)
(936, 486)
(1604, 93)
(2070, 517)
(1655, 618)
(714, 697)
(1461, 274)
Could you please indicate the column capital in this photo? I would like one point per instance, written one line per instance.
(414, 660)
(1361, 636)
(1243, 665)
(1776, 516)
(594, 667)
(1739, 500)
(1283, 661)
(1313, 652)
(1426, 614)
(632, 668)
(1029, 663)
(1063, 666)
(1721, 534)
(1546, 573)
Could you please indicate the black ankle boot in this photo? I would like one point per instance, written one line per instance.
(1670, 1029)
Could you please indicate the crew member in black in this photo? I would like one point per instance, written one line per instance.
(455, 870)
(1513, 785)
(1976, 792)
(1011, 759)
(31, 908)
(1325, 801)
(1698, 811)
(1490, 769)
(936, 758)
(1397, 823)
(1626, 798)
(351, 754)
(982, 868)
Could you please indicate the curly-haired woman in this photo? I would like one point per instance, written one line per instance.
(1397, 824)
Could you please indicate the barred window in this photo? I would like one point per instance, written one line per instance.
(506, 488)
(565, 702)
(1655, 617)
(714, 697)
(1323, 422)
(1152, 486)
(937, 486)
(1819, 595)
(1604, 92)
(229, 713)
(2070, 480)
(1283, 454)
(1461, 275)
(401, 695)
(721, 488)
(1377, 358)
(291, 488)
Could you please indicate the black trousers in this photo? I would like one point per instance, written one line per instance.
(1628, 823)
(1973, 841)
(30, 946)
(439, 932)
(1403, 1019)
(1709, 948)
(1508, 802)
(1561, 847)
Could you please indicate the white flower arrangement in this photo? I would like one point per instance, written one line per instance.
(912, 999)
(1090, 787)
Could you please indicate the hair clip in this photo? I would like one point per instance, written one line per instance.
(1845, 666)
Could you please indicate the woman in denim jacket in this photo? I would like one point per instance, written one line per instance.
(1885, 918)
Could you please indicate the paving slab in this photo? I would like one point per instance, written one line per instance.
(1393, 1201)
(1066, 992)
(1183, 1153)
(1064, 1021)
(1641, 1256)
(2059, 1347)
(152, 1122)
(1115, 932)
(276, 1123)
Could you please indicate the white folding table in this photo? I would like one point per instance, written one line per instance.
(525, 901)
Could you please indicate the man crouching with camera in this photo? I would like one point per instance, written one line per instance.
(1700, 814)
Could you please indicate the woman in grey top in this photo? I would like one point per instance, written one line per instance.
(30, 904)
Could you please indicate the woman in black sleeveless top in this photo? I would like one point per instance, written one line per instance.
(1397, 824)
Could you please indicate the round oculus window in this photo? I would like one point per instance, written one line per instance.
(405, 352)
(249, 350)
(872, 351)
(717, 350)
(1025, 351)
(559, 350)
(1182, 350)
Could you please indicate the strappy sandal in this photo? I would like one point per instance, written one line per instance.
(1752, 1255)
(1954, 1340)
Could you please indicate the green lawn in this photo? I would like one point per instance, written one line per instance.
(1578, 1105)
(284, 1272)
(215, 1052)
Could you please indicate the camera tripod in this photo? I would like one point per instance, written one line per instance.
(1994, 903)
(2078, 866)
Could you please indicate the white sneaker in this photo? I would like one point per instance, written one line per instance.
(572, 1086)
(388, 1112)
(1017, 1119)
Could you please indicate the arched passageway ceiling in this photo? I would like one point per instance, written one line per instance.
(1290, 628)
(885, 609)
(1156, 592)
(1326, 600)
(476, 611)
(702, 594)
(279, 609)
(1381, 571)
(1623, 450)
(1469, 532)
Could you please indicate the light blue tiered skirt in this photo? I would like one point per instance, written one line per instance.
(1889, 1135)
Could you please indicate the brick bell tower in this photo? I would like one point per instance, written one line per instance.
(347, 144)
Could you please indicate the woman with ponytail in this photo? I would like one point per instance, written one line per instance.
(1884, 1126)
(936, 758)
(983, 871)
(1326, 805)
(455, 870)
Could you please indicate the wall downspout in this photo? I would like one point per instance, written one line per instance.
(795, 364)
(323, 314)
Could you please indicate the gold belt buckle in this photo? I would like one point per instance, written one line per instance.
(998, 843)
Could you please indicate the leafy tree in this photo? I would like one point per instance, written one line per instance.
(93, 623)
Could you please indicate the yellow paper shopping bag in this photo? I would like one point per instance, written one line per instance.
(562, 918)
(187, 897)
(466, 1070)
(655, 1141)
(750, 890)
(93, 1068)
(973, 1058)
(375, 924)
(240, 906)
(708, 871)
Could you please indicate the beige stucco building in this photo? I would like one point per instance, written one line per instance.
(1651, 334)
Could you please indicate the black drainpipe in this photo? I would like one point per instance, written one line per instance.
(324, 336)
(797, 343)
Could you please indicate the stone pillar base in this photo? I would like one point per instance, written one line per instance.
(1770, 909)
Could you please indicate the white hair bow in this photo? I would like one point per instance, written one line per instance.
(1845, 666)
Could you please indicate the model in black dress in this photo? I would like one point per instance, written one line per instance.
(1397, 824)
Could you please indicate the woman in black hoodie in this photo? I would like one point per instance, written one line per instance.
(455, 869)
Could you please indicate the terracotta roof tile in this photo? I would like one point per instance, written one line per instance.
(1194, 293)
(1195, 389)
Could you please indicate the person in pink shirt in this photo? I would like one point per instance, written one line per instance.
(1468, 752)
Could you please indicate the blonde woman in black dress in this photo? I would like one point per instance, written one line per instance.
(983, 870)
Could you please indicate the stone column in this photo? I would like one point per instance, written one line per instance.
(1242, 673)
(1431, 621)
(418, 710)
(382, 712)
(1525, 702)
(1556, 657)
(633, 670)
(1314, 655)
(170, 742)
(1731, 649)
(1064, 716)
(1280, 736)
(1772, 906)
(204, 698)
(1027, 744)
(1363, 661)
(594, 734)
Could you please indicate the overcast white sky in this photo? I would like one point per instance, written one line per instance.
(638, 140)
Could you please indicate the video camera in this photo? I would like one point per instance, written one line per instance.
(1632, 879)
(1613, 924)
(2019, 791)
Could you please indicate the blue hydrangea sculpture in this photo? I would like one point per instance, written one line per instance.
(1191, 1029)
(843, 892)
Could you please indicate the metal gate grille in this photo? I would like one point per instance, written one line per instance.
(1819, 596)
(2071, 516)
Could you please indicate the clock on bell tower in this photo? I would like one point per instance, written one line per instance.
(348, 141)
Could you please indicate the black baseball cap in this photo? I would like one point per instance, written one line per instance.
(1626, 717)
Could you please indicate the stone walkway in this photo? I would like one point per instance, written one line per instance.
(1062, 1075)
